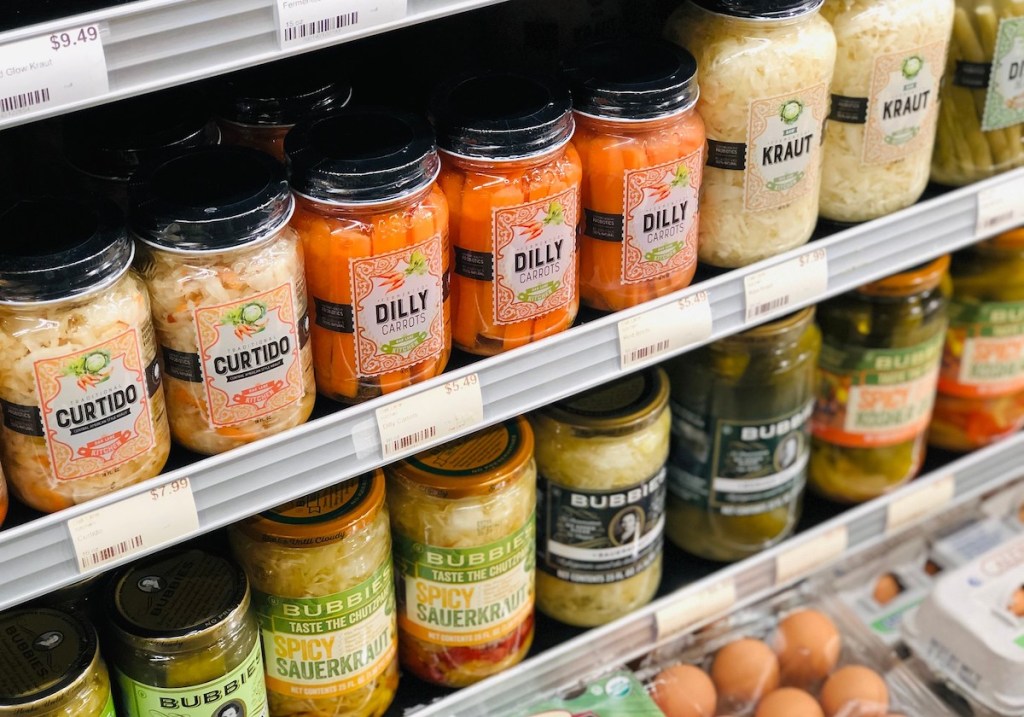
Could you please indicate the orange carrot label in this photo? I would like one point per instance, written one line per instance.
(399, 301)
(984, 354)
(535, 257)
(661, 218)
(95, 407)
(249, 351)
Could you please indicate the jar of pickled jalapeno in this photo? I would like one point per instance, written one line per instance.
(877, 375)
(741, 410)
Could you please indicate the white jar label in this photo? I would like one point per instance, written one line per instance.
(1004, 104)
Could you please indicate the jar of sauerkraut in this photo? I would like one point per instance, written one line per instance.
(462, 521)
(374, 227)
(51, 666)
(601, 499)
(642, 147)
(80, 385)
(885, 104)
(224, 271)
(879, 366)
(766, 67)
(323, 592)
(185, 641)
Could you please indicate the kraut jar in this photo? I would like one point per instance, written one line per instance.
(512, 180)
(51, 666)
(462, 521)
(601, 499)
(374, 226)
(80, 385)
(224, 271)
(642, 147)
(766, 67)
(323, 592)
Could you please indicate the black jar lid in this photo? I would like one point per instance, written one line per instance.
(54, 247)
(632, 79)
(761, 9)
(209, 199)
(501, 115)
(361, 156)
(280, 95)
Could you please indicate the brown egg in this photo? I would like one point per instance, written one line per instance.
(808, 645)
(887, 589)
(684, 691)
(788, 702)
(1016, 605)
(743, 672)
(855, 691)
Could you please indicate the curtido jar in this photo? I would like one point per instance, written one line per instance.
(765, 70)
(374, 227)
(641, 143)
(80, 385)
(512, 179)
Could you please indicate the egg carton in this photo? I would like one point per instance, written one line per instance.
(619, 694)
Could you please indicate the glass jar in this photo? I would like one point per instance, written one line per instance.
(80, 385)
(601, 499)
(641, 143)
(765, 71)
(468, 508)
(52, 666)
(982, 111)
(4, 500)
(374, 226)
(512, 180)
(224, 271)
(741, 410)
(879, 366)
(323, 592)
(184, 638)
(981, 384)
(885, 104)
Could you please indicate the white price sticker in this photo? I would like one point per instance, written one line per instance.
(165, 514)
(302, 21)
(696, 606)
(431, 415)
(808, 556)
(920, 502)
(645, 338)
(776, 290)
(1001, 207)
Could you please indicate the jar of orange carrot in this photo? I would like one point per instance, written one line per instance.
(642, 146)
(374, 228)
(512, 180)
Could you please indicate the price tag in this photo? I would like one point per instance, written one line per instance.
(51, 70)
(692, 608)
(1000, 208)
(166, 514)
(810, 555)
(775, 290)
(920, 502)
(645, 338)
(431, 415)
(302, 21)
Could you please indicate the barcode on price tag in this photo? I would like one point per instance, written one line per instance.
(300, 21)
(163, 515)
(1000, 207)
(809, 555)
(695, 607)
(778, 289)
(645, 338)
(919, 502)
(430, 415)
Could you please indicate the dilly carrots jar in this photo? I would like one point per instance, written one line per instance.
(374, 226)
(512, 180)
(641, 143)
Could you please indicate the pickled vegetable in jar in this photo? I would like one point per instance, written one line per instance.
(512, 180)
(601, 499)
(765, 72)
(184, 635)
(80, 385)
(323, 592)
(879, 366)
(642, 147)
(741, 410)
(462, 522)
(981, 384)
(374, 226)
(224, 271)
(885, 104)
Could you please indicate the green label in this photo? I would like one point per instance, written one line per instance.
(1004, 104)
(994, 319)
(882, 367)
(1019, 641)
(620, 695)
(464, 565)
(108, 708)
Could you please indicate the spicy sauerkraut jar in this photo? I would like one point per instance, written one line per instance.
(225, 275)
(80, 385)
(885, 104)
(641, 143)
(374, 226)
(512, 180)
(323, 592)
(766, 67)
(462, 521)
(601, 499)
